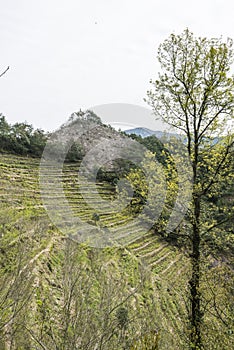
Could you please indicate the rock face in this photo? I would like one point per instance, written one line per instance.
(87, 129)
(100, 143)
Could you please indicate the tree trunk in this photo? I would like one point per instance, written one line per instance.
(195, 296)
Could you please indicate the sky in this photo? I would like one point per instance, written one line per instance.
(70, 55)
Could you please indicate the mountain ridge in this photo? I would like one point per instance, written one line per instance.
(146, 132)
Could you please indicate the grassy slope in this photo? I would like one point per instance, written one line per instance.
(26, 231)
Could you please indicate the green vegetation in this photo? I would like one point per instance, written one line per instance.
(22, 139)
(156, 289)
(45, 276)
(58, 294)
(195, 94)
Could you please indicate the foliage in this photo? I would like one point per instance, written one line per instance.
(120, 168)
(149, 341)
(70, 295)
(21, 138)
(195, 94)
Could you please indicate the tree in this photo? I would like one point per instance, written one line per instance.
(5, 129)
(195, 94)
(21, 135)
(21, 138)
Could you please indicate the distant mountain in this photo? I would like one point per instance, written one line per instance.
(145, 132)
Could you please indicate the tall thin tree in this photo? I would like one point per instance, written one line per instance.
(194, 93)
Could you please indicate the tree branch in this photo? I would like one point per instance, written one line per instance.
(4, 71)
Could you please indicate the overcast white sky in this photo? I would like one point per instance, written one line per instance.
(67, 55)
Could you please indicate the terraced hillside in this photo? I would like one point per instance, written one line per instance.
(58, 294)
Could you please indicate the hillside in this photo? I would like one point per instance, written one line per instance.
(58, 294)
